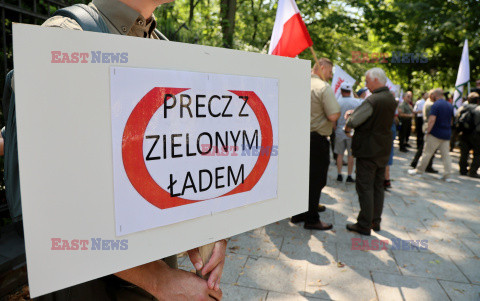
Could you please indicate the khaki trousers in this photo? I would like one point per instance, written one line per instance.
(431, 145)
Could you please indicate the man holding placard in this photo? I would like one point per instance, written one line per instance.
(158, 279)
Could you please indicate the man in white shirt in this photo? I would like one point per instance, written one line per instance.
(342, 142)
(418, 110)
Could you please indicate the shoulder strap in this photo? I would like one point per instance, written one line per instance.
(85, 16)
(160, 35)
(7, 93)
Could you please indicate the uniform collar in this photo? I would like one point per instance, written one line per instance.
(381, 89)
(122, 16)
(316, 76)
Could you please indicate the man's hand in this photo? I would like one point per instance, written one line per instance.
(165, 283)
(182, 285)
(214, 266)
(347, 114)
(348, 131)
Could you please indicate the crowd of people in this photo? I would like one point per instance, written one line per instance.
(365, 128)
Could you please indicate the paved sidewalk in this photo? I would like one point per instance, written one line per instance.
(283, 261)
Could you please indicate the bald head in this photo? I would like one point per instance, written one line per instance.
(473, 98)
(408, 96)
(322, 62)
(438, 94)
(323, 68)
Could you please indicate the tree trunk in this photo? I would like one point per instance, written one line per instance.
(228, 9)
(193, 4)
(190, 16)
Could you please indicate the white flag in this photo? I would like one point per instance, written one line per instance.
(463, 77)
(339, 77)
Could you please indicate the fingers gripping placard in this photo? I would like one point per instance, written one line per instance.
(190, 144)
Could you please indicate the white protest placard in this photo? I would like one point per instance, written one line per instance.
(109, 177)
(339, 77)
(391, 86)
(208, 143)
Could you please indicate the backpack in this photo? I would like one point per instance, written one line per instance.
(89, 20)
(465, 122)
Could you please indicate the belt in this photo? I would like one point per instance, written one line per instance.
(317, 134)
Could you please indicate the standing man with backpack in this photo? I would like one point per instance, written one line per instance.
(468, 124)
(160, 279)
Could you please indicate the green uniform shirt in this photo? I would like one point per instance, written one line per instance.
(120, 19)
(323, 104)
(406, 108)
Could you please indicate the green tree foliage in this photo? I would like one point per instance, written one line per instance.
(435, 27)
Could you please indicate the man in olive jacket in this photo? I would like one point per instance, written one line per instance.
(371, 145)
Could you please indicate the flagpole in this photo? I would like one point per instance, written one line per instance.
(468, 88)
(314, 55)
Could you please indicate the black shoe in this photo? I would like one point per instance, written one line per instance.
(350, 179)
(321, 208)
(414, 164)
(340, 178)
(296, 219)
(463, 173)
(358, 229)
(404, 150)
(431, 170)
(474, 175)
(387, 184)
(318, 226)
(375, 227)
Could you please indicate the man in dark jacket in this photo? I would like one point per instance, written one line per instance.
(371, 145)
(470, 138)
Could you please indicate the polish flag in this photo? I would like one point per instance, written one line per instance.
(290, 35)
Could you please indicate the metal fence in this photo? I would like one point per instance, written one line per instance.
(20, 11)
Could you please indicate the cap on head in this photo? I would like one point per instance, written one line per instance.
(361, 91)
(346, 87)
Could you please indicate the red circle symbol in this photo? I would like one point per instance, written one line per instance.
(132, 148)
